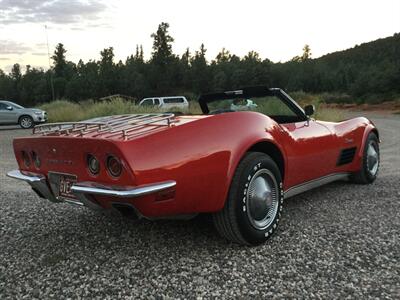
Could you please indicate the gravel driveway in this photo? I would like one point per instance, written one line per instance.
(341, 240)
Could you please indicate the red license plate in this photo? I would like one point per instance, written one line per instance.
(61, 185)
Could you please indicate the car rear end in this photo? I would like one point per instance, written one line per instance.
(88, 167)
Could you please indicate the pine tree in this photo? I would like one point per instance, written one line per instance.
(162, 45)
(59, 60)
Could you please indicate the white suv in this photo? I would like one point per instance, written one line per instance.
(166, 102)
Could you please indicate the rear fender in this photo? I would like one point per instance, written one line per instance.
(247, 146)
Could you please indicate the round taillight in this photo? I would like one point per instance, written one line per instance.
(114, 166)
(26, 159)
(93, 164)
(36, 159)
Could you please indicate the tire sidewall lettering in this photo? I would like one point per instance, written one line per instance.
(267, 232)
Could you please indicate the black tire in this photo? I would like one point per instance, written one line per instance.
(26, 122)
(368, 171)
(237, 221)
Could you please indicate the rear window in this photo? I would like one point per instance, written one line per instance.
(174, 100)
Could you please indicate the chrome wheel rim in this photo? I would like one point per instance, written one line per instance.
(262, 199)
(372, 159)
(26, 122)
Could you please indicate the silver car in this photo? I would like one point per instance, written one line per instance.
(12, 113)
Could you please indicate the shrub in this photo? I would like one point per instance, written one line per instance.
(63, 111)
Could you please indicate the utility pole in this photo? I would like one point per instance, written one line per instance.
(48, 56)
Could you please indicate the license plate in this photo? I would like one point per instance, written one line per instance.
(61, 185)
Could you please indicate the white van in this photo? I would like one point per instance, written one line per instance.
(166, 102)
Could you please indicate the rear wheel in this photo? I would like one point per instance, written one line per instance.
(253, 208)
(370, 161)
(26, 122)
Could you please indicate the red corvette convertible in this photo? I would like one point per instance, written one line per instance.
(250, 149)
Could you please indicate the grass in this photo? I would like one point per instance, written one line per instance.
(63, 111)
(329, 114)
(66, 111)
(322, 112)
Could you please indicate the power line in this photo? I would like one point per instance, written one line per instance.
(48, 56)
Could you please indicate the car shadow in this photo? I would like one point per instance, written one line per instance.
(201, 227)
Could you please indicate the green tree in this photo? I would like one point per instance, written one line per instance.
(85, 82)
(16, 74)
(200, 71)
(107, 73)
(6, 86)
(306, 55)
(223, 56)
(59, 61)
(16, 77)
(162, 45)
(368, 71)
(139, 56)
(63, 70)
(184, 70)
(33, 87)
(164, 66)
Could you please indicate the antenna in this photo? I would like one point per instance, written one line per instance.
(48, 56)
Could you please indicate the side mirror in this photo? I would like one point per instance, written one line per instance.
(309, 110)
(9, 108)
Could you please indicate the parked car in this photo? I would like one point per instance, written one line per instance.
(236, 165)
(166, 102)
(12, 113)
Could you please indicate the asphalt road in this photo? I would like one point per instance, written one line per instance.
(338, 241)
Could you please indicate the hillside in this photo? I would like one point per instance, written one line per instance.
(370, 71)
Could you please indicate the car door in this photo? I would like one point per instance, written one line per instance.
(310, 147)
(7, 116)
(157, 102)
(311, 151)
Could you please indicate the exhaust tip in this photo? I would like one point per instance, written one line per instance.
(126, 210)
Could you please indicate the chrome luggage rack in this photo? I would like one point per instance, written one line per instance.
(119, 126)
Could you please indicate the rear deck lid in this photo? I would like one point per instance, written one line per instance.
(119, 127)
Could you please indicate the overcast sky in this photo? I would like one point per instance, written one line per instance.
(277, 30)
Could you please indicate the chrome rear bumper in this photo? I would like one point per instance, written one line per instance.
(90, 188)
(84, 190)
(37, 181)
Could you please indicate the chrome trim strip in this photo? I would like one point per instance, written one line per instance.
(89, 188)
(306, 186)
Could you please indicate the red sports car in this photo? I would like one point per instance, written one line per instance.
(250, 149)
